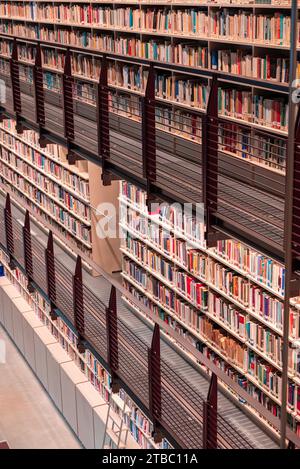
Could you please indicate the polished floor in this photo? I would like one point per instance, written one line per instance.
(28, 417)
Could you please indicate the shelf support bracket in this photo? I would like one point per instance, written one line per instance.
(78, 304)
(15, 84)
(50, 273)
(149, 136)
(210, 416)
(112, 339)
(28, 252)
(154, 370)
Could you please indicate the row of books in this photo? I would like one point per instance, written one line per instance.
(46, 185)
(124, 104)
(251, 263)
(264, 150)
(265, 270)
(227, 313)
(255, 299)
(52, 81)
(179, 122)
(243, 105)
(236, 61)
(26, 73)
(225, 279)
(229, 282)
(44, 205)
(188, 288)
(51, 159)
(264, 340)
(26, 52)
(241, 62)
(268, 377)
(53, 58)
(169, 119)
(5, 47)
(190, 92)
(228, 346)
(173, 216)
(4, 67)
(59, 330)
(236, 353)
(41, 162)
(241, 25)
(255, 333)
(264, 377)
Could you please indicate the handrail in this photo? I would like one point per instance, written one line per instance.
(161, 65)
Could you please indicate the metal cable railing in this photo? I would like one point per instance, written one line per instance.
(181, 404)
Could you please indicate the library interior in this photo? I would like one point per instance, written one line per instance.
(149, 224)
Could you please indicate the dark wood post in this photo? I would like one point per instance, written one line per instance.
(68, 82)
(28, 252)
(103, 122)
(78, 304)
(39, 88)
(149, 136)
(112, 338)
(210, 161)
(154, 370)
(9, 232)
(50, 273)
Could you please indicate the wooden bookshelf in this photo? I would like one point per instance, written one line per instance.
(85, 175)
(255, 47)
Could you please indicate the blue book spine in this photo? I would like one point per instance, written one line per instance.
(214, 59)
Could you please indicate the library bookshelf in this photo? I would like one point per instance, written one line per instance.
(90, 323)
(226, 301)
(169, 53)
(251, 150)
(66, 195)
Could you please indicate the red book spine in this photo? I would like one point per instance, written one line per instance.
(268, 68)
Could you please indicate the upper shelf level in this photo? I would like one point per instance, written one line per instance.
(145, 124)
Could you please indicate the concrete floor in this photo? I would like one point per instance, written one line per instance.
(28, 417)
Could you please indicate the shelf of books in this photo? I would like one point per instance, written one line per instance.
(227, 301)
(253, 113)
(140, 427)
(242, 39)
(56, 190)
(65, 195)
